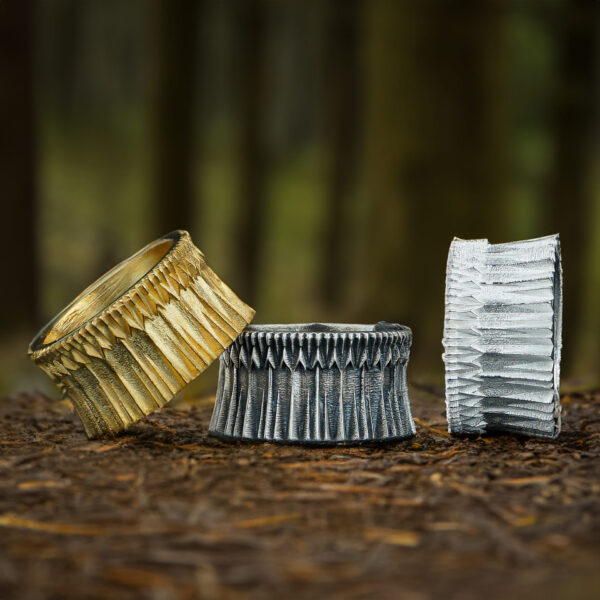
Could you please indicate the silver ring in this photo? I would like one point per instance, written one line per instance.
(315, 384)
(502, 337)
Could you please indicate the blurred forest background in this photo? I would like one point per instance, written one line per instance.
(322, 153)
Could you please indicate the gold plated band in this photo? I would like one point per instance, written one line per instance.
(129, 342)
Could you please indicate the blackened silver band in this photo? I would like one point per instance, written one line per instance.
(315, 384)
(502, 337)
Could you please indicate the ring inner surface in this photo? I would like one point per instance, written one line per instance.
(111, 286)
(313, 328)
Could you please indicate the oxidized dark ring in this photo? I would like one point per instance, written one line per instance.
(315, 384)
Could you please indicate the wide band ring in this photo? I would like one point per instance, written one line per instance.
(128, 343)
(315, 384)
(502, 337)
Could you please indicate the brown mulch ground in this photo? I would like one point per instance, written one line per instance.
(165, 512)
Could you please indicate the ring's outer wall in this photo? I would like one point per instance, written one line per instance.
(320, 385)
(503, 337)
(137, 353)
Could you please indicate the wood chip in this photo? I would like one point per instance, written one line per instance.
(267, 521)
(534, 480)
(394, 537)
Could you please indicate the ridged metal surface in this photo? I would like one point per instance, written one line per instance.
(502, 336)
(137, 353)
(315, 384)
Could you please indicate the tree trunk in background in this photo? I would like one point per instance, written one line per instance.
(20, 298)
(252, 159)
(387, 37)
(176, 25)
(437, 152)
(576, 125)
(63, 82)
(588, 345)
(341, 126)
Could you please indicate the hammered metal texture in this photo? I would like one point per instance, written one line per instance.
(502, 337)
(315, 384)
(137, 353)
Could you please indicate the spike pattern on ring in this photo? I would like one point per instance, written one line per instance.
(135, 355)
(315, 384)
(502, 337)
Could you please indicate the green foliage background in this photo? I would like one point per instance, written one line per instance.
(455, 127)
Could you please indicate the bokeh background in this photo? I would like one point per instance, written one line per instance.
(322, 153)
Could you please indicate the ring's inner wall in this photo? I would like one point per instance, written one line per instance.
(108, 288)
(319, 328)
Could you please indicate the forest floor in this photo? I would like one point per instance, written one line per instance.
(165, 512)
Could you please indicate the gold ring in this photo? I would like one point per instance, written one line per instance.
(130, 341)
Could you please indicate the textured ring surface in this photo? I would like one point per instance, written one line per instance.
(128, 343)
(315, 384)
(502, 336)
